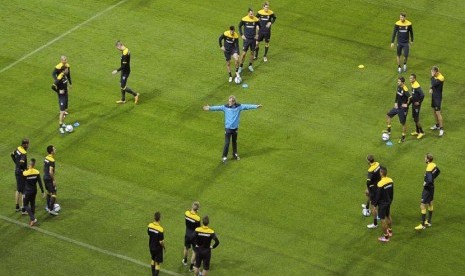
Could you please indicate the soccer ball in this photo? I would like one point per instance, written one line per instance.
(56, 207)
(237, 80)
(69, 128)
(366, 212)
(385, 136)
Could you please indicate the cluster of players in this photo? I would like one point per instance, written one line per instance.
(27, 178)
(62, 81)
(403, 30)
(380, 187)
(253, 29)
(380, 194)
(198, 238)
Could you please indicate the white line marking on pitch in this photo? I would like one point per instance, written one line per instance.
(85, 245)
(61, 36)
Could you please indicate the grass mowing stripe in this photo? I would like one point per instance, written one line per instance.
(61, 36)
(82, 244)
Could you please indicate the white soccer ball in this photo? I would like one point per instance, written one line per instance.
(56, 207)
(385, 136)
(69, 128)
(366, 212)
(237, 80)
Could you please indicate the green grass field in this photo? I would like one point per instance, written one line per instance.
(291, 205)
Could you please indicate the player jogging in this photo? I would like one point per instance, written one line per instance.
(249, 36)
(230, 49)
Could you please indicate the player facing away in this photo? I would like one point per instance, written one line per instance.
(432, 171)
(437, 83)
(400, 108)
(49, 179)
(416, 100)
(383, 200)
(156, 243)
(19, 157)
(232, 112)
(59, 68)
(249, 37)
(266, 19)
(373, 177)
(32, 177)
(60, 86)
(202, 239)
(192, 220)
(125, 69)
(230, 49)
(404, 31)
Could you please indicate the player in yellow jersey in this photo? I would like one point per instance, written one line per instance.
(432, 171)
(267, 18)
(125, 69)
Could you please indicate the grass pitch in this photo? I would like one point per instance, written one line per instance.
(291, 204)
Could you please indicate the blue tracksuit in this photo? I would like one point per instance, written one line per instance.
(232, 113)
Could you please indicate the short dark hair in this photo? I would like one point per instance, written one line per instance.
(157, 216)
(370, 158)
(266, 3)
(25, 141)
(413, 75)
(403, 14)
(206, 220)
(429, 157)
(435, 68)
(402, 79)
(49, 149)
(232, 28)
(118, 43)
(33, 161)
(383, 171)
(250, 10)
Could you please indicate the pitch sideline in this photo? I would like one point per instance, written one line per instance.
(85, 245)
(61, 36)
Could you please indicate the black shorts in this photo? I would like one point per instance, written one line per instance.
(264, 36)
(188, 241)
(29, 198)
(249, 43)
(63, 101)
(416, 113)
(124, 80)
(203, 255)
(384, 211)
(401, 112)
(157, 255)
(20, 183)
(404, 47)
(49, 186)
(229, 53)
(436, 103)
(427, 196)
(372, 193)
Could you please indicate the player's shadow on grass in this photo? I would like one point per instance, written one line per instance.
(147, 96)
(262, 151)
